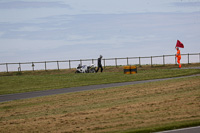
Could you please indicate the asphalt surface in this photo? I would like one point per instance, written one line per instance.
(184, 130)
(17, 96)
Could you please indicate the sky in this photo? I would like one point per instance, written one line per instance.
(43, 30)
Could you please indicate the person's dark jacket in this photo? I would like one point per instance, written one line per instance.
(99, 62)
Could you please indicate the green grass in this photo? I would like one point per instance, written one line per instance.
(41, 80)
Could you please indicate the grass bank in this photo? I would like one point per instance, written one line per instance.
(144, 107)
(42, 80)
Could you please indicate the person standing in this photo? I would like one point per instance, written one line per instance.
(179, 44)
(178, 57)
(99, 64)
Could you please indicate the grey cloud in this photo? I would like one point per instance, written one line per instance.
(23, 4)
(187, 4)
(99, 26)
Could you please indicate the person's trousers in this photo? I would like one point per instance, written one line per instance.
(178, 61)
(99, 67)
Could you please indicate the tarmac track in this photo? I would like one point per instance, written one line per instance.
(184, 130)
(17, 96)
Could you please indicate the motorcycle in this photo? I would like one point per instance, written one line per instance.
(86, 69)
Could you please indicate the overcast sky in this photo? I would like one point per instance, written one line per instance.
(42, 30)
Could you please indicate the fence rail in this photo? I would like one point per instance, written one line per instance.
(150, 60)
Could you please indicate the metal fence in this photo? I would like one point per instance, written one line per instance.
(68, 64)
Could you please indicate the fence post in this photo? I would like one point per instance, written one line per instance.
(7, 67)
(69, 65)
(45, 65)
(116, 62)
(33, 66)
(104, 60)
(81, 62)
(58, 65)
(175, 59)
(199, 57)
(188, 58)
(163, 60)
(19, 68)
(139, 62)
(151, 62)
(127, 61)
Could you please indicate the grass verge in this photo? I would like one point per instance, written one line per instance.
(36, 81)
(144, 107)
